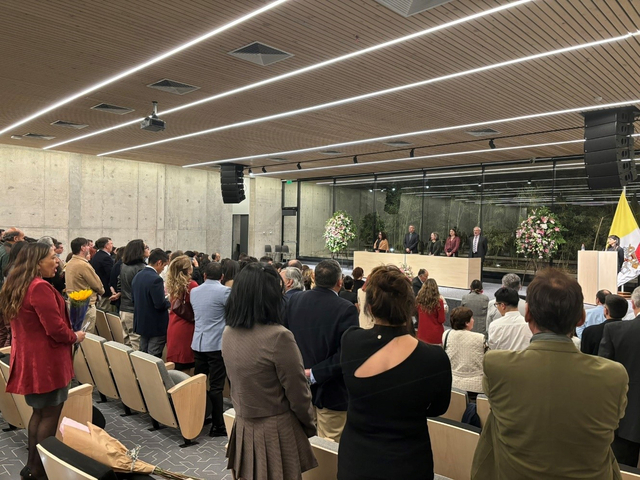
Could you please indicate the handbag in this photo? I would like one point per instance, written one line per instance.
(183, 309)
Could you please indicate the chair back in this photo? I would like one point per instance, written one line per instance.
(326, 453)
(124, 375)
(23, 409)
(483, 408)
(8, 406)
(458, 405)
(93, 349)
(115, 325)
(81, 368)
(267, 249)
(102, 327)
(61, 462)
(629, 473)
(453, 445)
(148, 370)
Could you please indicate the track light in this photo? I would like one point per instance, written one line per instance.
(299, 166)
(529, 182)
(412, 153)
(250, 172)
(480, 185)
(492, 144)
(355, 159)
(264, 170)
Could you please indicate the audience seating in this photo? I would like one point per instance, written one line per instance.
(102, 327)
(93, 349)
(629, 473)
(483, 408)
(453, 445)
(124, 375)
(81, 368)
(172, 397)
(115, 325)
(458, 405)
(285, 253)
(277, 257)
(267, 250)
(8, 406)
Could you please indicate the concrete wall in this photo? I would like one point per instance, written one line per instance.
(67, 195)
(265, 214)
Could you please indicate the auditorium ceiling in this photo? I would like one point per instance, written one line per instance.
(62, 58)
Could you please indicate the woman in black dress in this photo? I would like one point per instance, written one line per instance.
(394, 383)
(434, 245)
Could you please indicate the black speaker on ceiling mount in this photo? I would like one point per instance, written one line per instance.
(608, 147)
(232, 182)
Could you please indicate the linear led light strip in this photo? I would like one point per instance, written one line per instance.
(307, 69)
(146, 64)
(357, 98)
(443, 129)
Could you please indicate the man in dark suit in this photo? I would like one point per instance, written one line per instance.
(411, 240)
(478, 247)
(417, 282)
(150, 306)
(620, 342)
(102, 263)
(318, 318)
(615, 307)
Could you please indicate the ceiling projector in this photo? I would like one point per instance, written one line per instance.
(152, 123)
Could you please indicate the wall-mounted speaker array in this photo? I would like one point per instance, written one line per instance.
(232, 182)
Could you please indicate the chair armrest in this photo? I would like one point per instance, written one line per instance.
(170, 365)
(5, 350)
(189, 399)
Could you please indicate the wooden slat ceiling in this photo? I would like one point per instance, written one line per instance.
(52, 50)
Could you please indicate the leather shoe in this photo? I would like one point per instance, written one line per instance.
(218, 432)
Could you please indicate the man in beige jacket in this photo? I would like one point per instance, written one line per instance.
(80, 275)
(554, 410)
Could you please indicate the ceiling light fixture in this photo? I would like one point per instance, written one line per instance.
(423, 132)
(146, 64)
(299, 166)
(250, 172)
(412, 153)
(264, 170)
(365, 96)
(355, 159)
(492, 144)
(312, 67)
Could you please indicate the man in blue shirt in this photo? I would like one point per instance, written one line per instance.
(208, 301)
(595, 316)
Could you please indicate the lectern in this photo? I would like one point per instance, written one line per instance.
(597, 271)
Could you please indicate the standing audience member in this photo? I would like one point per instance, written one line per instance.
(231, 268)
(452, 245)
(59, 248)
(208, 301)
(102, 262)
(113, 280)
(293, 283)
(466, 351)
(364, 317)
(133, 261)
(510, 280)
(180, 331)
(431, 314)
(318, 318)
(308, 278)
(347, 292)
(357, 275)
(554, 410)
(5, 329)
(58, 279)
(595, 315)
(615, 307)
(41, 360)
(620, 342)
(419, 280)
(434, 245)
(269, 391)
(9, 239)
(295, 263)
(80, 275)
(478, 302)
(510, 332)
(394, 383)
(150, 306)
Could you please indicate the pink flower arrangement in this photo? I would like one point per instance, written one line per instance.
(339, 231)
(535, 238)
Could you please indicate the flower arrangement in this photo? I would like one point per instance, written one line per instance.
(406, 269)
(78, 306)
(539, 235)
(339, 231)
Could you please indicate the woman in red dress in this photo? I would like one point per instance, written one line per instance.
(41, 358)
(180, 331)
(430, 313)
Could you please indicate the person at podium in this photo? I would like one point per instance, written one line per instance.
(613, 245)
(381, 245)
(411, 240)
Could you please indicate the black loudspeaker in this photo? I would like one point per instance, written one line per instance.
(232, 182)
(608, 148)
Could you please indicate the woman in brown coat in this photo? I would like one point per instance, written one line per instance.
(269, 390)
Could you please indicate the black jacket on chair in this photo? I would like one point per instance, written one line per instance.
(620, 342)
(318, 318)
(150, 307)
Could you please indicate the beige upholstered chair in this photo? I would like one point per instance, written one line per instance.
(173, 398)
(93, 349)
(115, 325)
(629, 473)
(453, 445)
(8, 406)
(81, 369)
(458, 405)
(483, 408)
(102, 327)
(124, 375)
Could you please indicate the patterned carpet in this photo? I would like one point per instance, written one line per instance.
(205, 460)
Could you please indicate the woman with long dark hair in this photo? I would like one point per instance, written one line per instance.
(381, 245)
(269, 390)
(230, 269)
(394, 383)
(452, 245)
(180, 331)
(135, 254)
(41, 358)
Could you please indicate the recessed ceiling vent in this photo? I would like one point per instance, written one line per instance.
(278, 159)
(485, 132)
(171, 86)
(76, 126)
(105, 107)
(38, 136)
(260, 54)
(398, 143)
(406, 8)
(330, 152)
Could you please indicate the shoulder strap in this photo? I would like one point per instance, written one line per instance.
(446, 337)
